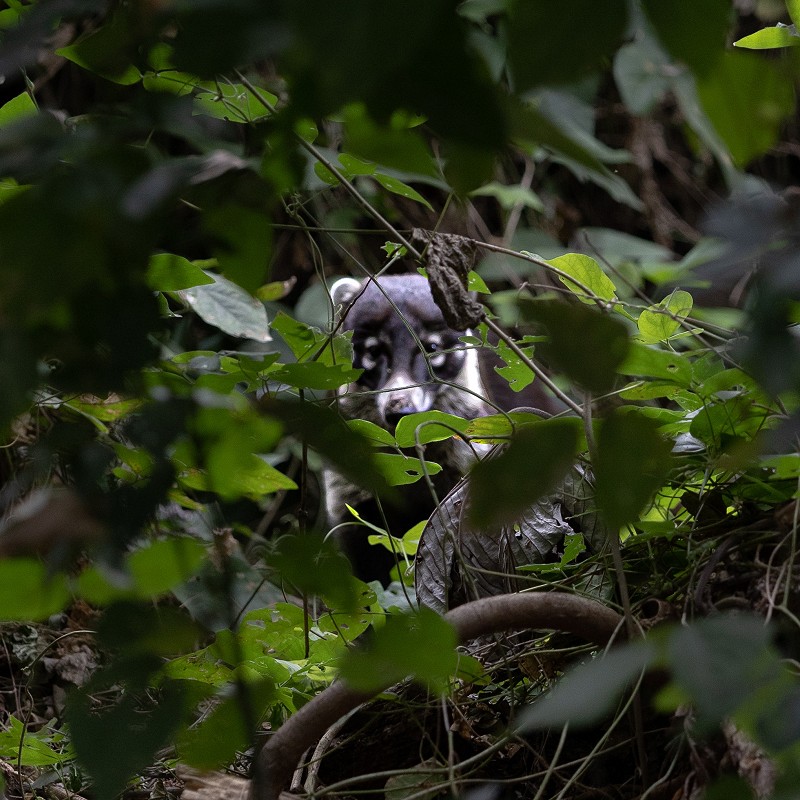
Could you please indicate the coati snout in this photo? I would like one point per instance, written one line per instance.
(412, 362)
(409, 355)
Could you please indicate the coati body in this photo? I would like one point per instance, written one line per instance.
(412, 362)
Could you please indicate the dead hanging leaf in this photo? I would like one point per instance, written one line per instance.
(448, 260)
(458, 562)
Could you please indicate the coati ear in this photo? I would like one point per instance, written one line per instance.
(344, 290)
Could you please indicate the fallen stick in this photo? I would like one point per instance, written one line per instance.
(558, 611)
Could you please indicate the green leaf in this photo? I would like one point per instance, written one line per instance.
(734, 418)
(303, 340)
(393, 145)
(378, 437)
(769, 38)
(721, 662)
(315, 375)
(501, 488)
(650, 362)
(324, 174)
(325, 431)
(106, 51)
(400, 470)
(398, 187)
(419, 645)
(246, 237)
(29, 592)
(693, 31)
(793, 7)
(227, 306)
(633, 461)
(499, 426)
(658, 323)
(160, 566)
(33, 749)
(170, 273)
(586, 270)
(142, 633)
(589, 692)
(510, 196)
(356, 166)
(587, 345)
(227, 729)
(743, 85)
(516, 372)
(231, 101)
(234, 473)
(641, 72)
(422, 428)
(19, 107)
(123, 738)
(313, 565)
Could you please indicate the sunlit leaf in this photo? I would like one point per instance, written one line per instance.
(659, 322)
(170, 273)
(515, 371)
(398, 187)
(428, 426)
(400, 470)
(769, 38)
(586, 270)
(18, 107)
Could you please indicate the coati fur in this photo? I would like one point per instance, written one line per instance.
(412, 362)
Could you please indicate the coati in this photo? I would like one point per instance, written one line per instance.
(412, 362)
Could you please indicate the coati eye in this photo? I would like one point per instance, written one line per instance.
(433, 346)
(371, 353)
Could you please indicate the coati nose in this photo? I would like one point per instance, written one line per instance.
(394, 415)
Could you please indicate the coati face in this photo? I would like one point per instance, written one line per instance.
(408, 353)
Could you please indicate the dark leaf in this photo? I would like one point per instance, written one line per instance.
(693, 31)
(537, 457)
(587, 345)
(313, 565)
(114, 744)
(420, 645)
(589, 692)
(633, 460)
(555, 43)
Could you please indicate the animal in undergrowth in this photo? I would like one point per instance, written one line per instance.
(412, 362)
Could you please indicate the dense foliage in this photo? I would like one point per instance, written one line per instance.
(180, 182)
